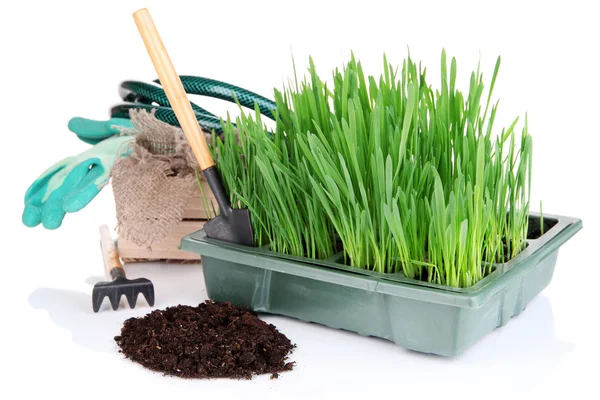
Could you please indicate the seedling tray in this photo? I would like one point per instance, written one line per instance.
(416, 315)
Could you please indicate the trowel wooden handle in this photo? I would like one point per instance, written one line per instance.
(173, 88)
(112, 263)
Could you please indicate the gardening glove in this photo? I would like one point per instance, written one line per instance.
(72, 183)
(93, 132)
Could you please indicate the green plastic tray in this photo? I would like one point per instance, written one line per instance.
(415, 315)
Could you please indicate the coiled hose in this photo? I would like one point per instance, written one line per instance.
(151, 96)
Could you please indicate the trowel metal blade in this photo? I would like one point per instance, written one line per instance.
(234, 227)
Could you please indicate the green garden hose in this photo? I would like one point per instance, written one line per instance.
(150, 96)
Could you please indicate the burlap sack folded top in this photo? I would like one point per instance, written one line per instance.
(154, 183)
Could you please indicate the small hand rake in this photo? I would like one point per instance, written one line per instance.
(119, 285)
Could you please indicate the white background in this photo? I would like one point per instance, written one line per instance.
(60, 60)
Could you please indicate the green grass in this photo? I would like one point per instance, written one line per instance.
(406, 177)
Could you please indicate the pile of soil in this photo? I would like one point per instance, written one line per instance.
(213, 340)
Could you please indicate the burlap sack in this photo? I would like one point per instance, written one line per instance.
(154, 183)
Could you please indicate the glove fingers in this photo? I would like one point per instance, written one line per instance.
(90, 130)
(75, 177)
(57, 184)
(41, 183)
(81, 199)
(89, 187)
(52, 214)
(32, 216)
(38, 191)
(34, 200)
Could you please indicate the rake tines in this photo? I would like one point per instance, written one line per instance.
(120, 285)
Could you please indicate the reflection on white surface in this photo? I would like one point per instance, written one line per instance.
(173, 284)
(522, 353)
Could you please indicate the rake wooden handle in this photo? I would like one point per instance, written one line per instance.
(112, 263)
(169, 79)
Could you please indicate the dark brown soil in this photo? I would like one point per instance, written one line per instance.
(534, 230)
(213, 340)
